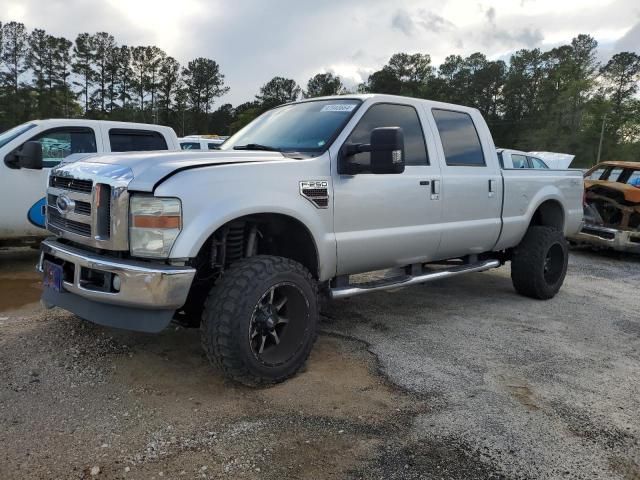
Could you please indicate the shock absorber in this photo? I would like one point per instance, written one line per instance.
(235, 243)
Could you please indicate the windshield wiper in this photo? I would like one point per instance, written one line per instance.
(256, 146)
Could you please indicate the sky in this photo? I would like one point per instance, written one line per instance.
(255, 40)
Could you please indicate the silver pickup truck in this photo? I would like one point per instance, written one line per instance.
(243, 242)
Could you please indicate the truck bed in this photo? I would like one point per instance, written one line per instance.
(541, 185)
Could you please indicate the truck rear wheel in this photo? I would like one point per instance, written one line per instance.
(539, 263)
(259, 321)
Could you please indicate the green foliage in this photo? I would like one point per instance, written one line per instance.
(277, 91)
(555, 100)
(324, 84)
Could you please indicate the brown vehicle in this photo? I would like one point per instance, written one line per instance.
(612, 207)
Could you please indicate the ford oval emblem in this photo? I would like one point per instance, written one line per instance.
(65, 204)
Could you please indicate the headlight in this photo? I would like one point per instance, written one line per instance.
(154, 225)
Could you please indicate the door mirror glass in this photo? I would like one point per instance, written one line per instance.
(386, 149)
(30, 156)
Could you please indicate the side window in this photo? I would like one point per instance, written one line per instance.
(459, 137)
(634, 178)
(519, 161)
(390, 115)
(537, 163)
(59, 143)
(190, 146)
(129, 140)
(614, 174)
(596, 174)
(213, 146)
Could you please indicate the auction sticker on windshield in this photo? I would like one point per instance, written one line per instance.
(339, 107)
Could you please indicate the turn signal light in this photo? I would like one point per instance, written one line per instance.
(149, 221)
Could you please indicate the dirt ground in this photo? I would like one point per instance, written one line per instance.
(461, 379)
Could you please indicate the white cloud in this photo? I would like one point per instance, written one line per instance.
(254, 40)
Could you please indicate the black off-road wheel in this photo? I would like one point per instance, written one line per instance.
(260, 320)
(539, 263)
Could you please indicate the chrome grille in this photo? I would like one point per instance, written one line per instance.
(57, 220)
(73, 184)
(81, 208)
(95, 208)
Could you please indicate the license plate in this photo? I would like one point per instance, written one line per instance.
(52, 276)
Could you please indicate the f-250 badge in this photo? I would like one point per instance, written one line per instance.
(316, 191)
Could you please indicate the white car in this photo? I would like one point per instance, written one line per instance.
(555, 160)
(22, 189)
(200, 142)
(518, 159)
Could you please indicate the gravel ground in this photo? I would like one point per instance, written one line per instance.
(459, 379)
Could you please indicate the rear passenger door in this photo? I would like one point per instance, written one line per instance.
(471, 186)
(136, 140)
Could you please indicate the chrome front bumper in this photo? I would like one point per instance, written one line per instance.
(142, 285)
(620, 240)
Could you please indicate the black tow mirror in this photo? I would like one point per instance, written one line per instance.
(387, 152)
(30, 156)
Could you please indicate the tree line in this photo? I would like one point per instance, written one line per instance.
(558, 100)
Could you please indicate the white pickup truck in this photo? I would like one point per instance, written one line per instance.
(21, 189)
(242, 241)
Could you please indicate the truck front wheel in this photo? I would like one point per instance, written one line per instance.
(539, 263)
(259, 321)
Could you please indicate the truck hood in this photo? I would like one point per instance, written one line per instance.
(148, 169)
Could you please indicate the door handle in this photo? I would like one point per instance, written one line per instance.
(435, 190)
(492, 187)
(424, 182)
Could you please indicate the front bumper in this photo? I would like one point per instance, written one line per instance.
(620, 240)
(146, 300)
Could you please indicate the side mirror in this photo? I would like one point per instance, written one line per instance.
(30, 156)
(387, 152)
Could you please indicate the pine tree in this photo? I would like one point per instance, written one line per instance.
(83, 65)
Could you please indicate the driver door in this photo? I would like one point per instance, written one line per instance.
(387, 220)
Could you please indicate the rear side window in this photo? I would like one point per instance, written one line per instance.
(213, 146)
(129, 140)
(537, 163)
(614, 174)
(459, 137)
(519, 161)
(390, 115)
(634, 178)
(190, 146)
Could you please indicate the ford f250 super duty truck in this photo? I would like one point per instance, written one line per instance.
(245, 240)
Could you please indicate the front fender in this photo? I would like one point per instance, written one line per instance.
(214, 196)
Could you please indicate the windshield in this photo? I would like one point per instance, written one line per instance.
(299, 127)
(6, 137)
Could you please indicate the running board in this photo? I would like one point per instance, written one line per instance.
(405, 281)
